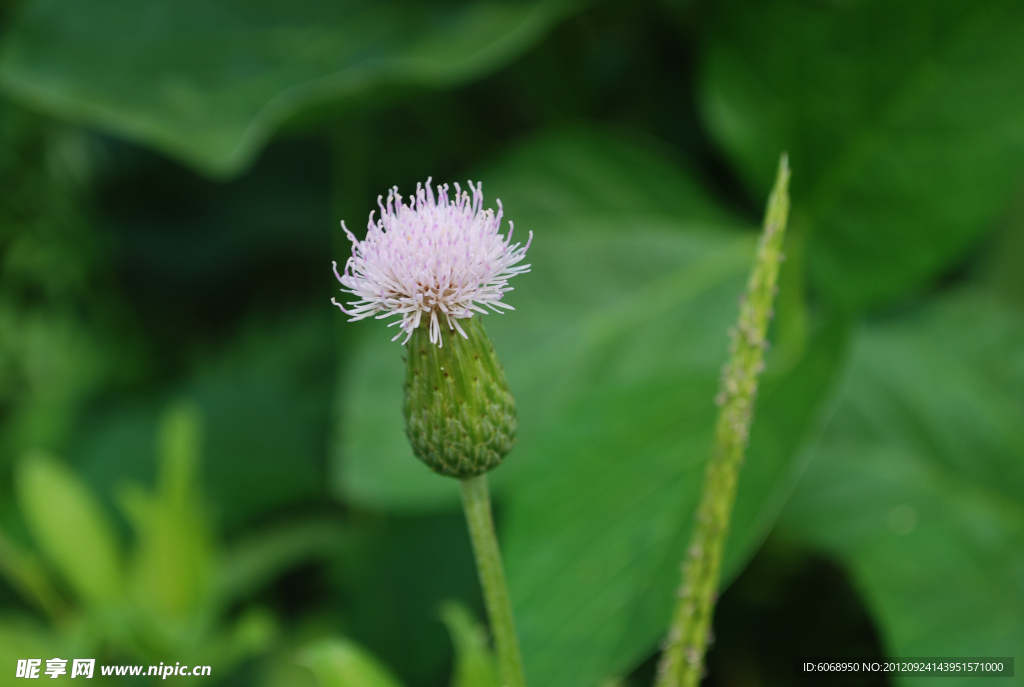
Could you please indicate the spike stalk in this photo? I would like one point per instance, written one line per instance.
(682, 662)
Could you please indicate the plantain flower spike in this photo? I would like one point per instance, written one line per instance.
(438, 263)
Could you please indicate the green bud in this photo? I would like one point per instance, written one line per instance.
(460, 416)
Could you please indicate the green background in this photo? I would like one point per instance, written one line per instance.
(202, 461)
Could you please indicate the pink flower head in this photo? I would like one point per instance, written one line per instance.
(433, 258)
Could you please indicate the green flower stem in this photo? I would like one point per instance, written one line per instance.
(477, 503)
(682, 662)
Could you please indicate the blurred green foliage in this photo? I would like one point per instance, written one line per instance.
(62, 320)
(277, 525)
(163, 597)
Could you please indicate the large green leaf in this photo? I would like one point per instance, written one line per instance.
(614, 354)
(594, 539)
(549, 346)
(208, 83)
(918, 485)
(902, 120)
(611, 216)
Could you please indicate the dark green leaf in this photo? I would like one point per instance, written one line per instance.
(209, 83)
(391, 605)
(261, 557)
(918, 485)
(586, 170)
(902, 121)
(264, 403)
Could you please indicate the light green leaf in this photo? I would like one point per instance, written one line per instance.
(918, 485)
(179, 452)
(902, 121)
(279, 670)
(613, 353)
(252, 634)
(69, 525)
(173, 567)
(209, 83)
(475, 665)
(25, 573)
(341, 663)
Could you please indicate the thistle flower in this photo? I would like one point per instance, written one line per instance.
(435, 258)
(439, 258)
